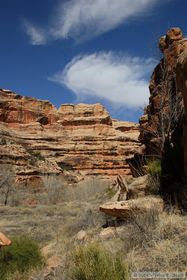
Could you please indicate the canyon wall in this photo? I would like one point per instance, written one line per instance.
(81, 140)
(163, 127)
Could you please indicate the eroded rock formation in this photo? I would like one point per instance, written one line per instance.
(163, 127)
(39, 139)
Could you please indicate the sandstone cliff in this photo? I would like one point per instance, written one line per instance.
(163, 126)
(82, 139)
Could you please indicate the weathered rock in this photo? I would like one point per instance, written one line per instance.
(129, 208)
(162, 43)
(165, 103)
(163, 129)
(122, 188)
(4, 241)
(173, 34)
(112, 232)
(138, 188)
(53, 262)
(81, 235)
(76, 139)
(107, 233)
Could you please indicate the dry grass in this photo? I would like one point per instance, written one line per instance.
(154, 241)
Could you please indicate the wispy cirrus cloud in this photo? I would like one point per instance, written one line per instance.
(37, 35)
(117, 78)
(85, 19)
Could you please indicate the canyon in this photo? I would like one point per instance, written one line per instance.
(74, 140)
(82, 140)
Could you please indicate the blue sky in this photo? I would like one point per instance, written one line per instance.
(88, 51)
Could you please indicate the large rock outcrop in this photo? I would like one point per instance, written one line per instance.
(129, 209)
(163, 127)
(39, 139)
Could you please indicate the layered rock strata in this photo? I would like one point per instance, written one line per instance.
(39, 139)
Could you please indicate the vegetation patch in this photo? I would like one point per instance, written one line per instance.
(154, 170)
(110, 192)
(154, 167)
(35, 157)
(94, 262)
(21, 256)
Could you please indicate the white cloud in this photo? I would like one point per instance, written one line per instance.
(37, 35)
(89, 18)
(84, 19)
(119, 79)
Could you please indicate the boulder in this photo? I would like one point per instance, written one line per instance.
(4, 241)
(127, 209)
(138, 188)
(107, 233)
(81, 235)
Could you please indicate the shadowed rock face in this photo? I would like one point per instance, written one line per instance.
(163, 126)
(181, 77)
(39, 139)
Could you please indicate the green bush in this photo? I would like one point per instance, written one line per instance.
(154, 171)
(154, 167)
(93, 262)
(21, 256)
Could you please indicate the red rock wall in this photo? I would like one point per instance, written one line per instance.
(38, 138)
(163, 127)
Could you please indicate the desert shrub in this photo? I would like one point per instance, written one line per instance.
(65, 166)
(36, 154)
(154, 172)
(167, 255)
(53, 186)
(7, 180)
(142, 230)
(21, 256)
(94, 262)
(84, 216)
(171, 225)
(35, 157)
(156, 241)
(154, 167)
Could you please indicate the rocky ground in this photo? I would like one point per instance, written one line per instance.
(153, 240)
